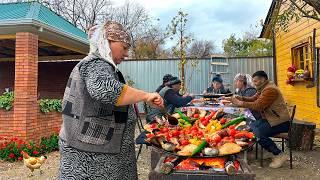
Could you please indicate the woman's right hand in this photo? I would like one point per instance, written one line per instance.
(155, 100)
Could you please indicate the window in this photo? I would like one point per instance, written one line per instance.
(302, 56)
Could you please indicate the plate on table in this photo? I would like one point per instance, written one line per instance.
(209, 95)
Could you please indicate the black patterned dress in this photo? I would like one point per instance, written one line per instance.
(76, 164)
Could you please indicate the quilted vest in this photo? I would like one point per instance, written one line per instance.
(88, 124)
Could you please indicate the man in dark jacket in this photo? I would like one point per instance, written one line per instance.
(165, 81)
(172, 99)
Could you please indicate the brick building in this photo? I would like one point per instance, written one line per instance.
(36, 46)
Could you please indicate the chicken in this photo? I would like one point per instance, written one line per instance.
(33, 162)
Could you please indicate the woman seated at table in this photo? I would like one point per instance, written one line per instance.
(244, 87)
(217, 86)
(172, 99)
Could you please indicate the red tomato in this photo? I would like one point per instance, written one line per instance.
(194, 133)
(232, 132)
(222, 121)
(194, 128)
(150, 135)
(184, 142)
(187, 131)
(164, 129)
(205, 122)
(232, 127)
(196, 115)
(154, 125)
(175, 133)
(217, 138)
(200, 134)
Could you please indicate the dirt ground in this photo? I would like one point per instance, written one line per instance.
(306, 166)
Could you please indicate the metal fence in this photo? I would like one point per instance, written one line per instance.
(147, 74)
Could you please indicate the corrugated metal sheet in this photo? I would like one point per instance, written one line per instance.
(147, 74)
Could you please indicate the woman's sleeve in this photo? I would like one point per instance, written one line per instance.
(178, 101)
(101, 83)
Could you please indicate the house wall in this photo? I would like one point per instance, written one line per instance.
(304, 98)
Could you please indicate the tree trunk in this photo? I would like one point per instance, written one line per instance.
(302, 135)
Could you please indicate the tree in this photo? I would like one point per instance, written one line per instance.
(297, 9)
(201, 48)
(81, 13)
(149, 45)
(178, 32)
(247, 46)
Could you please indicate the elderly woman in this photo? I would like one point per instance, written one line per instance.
(217, 86)
(244, 88)
(172, 99)
(97, 134)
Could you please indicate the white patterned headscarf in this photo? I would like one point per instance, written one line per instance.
(99, 36)
(244, 78)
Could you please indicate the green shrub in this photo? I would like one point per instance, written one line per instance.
(50, 105)
(6, 100)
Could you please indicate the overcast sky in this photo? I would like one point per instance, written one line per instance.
(209, 19)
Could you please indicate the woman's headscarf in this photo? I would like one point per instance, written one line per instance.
(99, 36)
(246, 78)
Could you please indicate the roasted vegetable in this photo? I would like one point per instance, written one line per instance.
(199, 148)
(184, 117)
(210, 151)
(246, 134)
(234, 121)
(202, 113)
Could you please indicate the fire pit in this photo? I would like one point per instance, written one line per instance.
(244, 173)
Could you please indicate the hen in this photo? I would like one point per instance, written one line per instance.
(33, 162)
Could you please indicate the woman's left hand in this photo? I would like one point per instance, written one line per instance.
(155, 100)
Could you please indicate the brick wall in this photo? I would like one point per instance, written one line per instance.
(47, 124)
(6, 118)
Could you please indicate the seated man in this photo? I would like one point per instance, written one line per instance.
(275, 115)
(172, 99)
(165, 81)
(217, 86)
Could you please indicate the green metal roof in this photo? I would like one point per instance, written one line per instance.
(35, 11)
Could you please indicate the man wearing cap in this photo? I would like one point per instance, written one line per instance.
(165, 81)
(172, 99)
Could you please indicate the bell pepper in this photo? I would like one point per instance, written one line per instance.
(184, 117)
(199, 148)
(234, 121)
(246, 134)
(213, 126)
(195, 141)
(210, 115)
